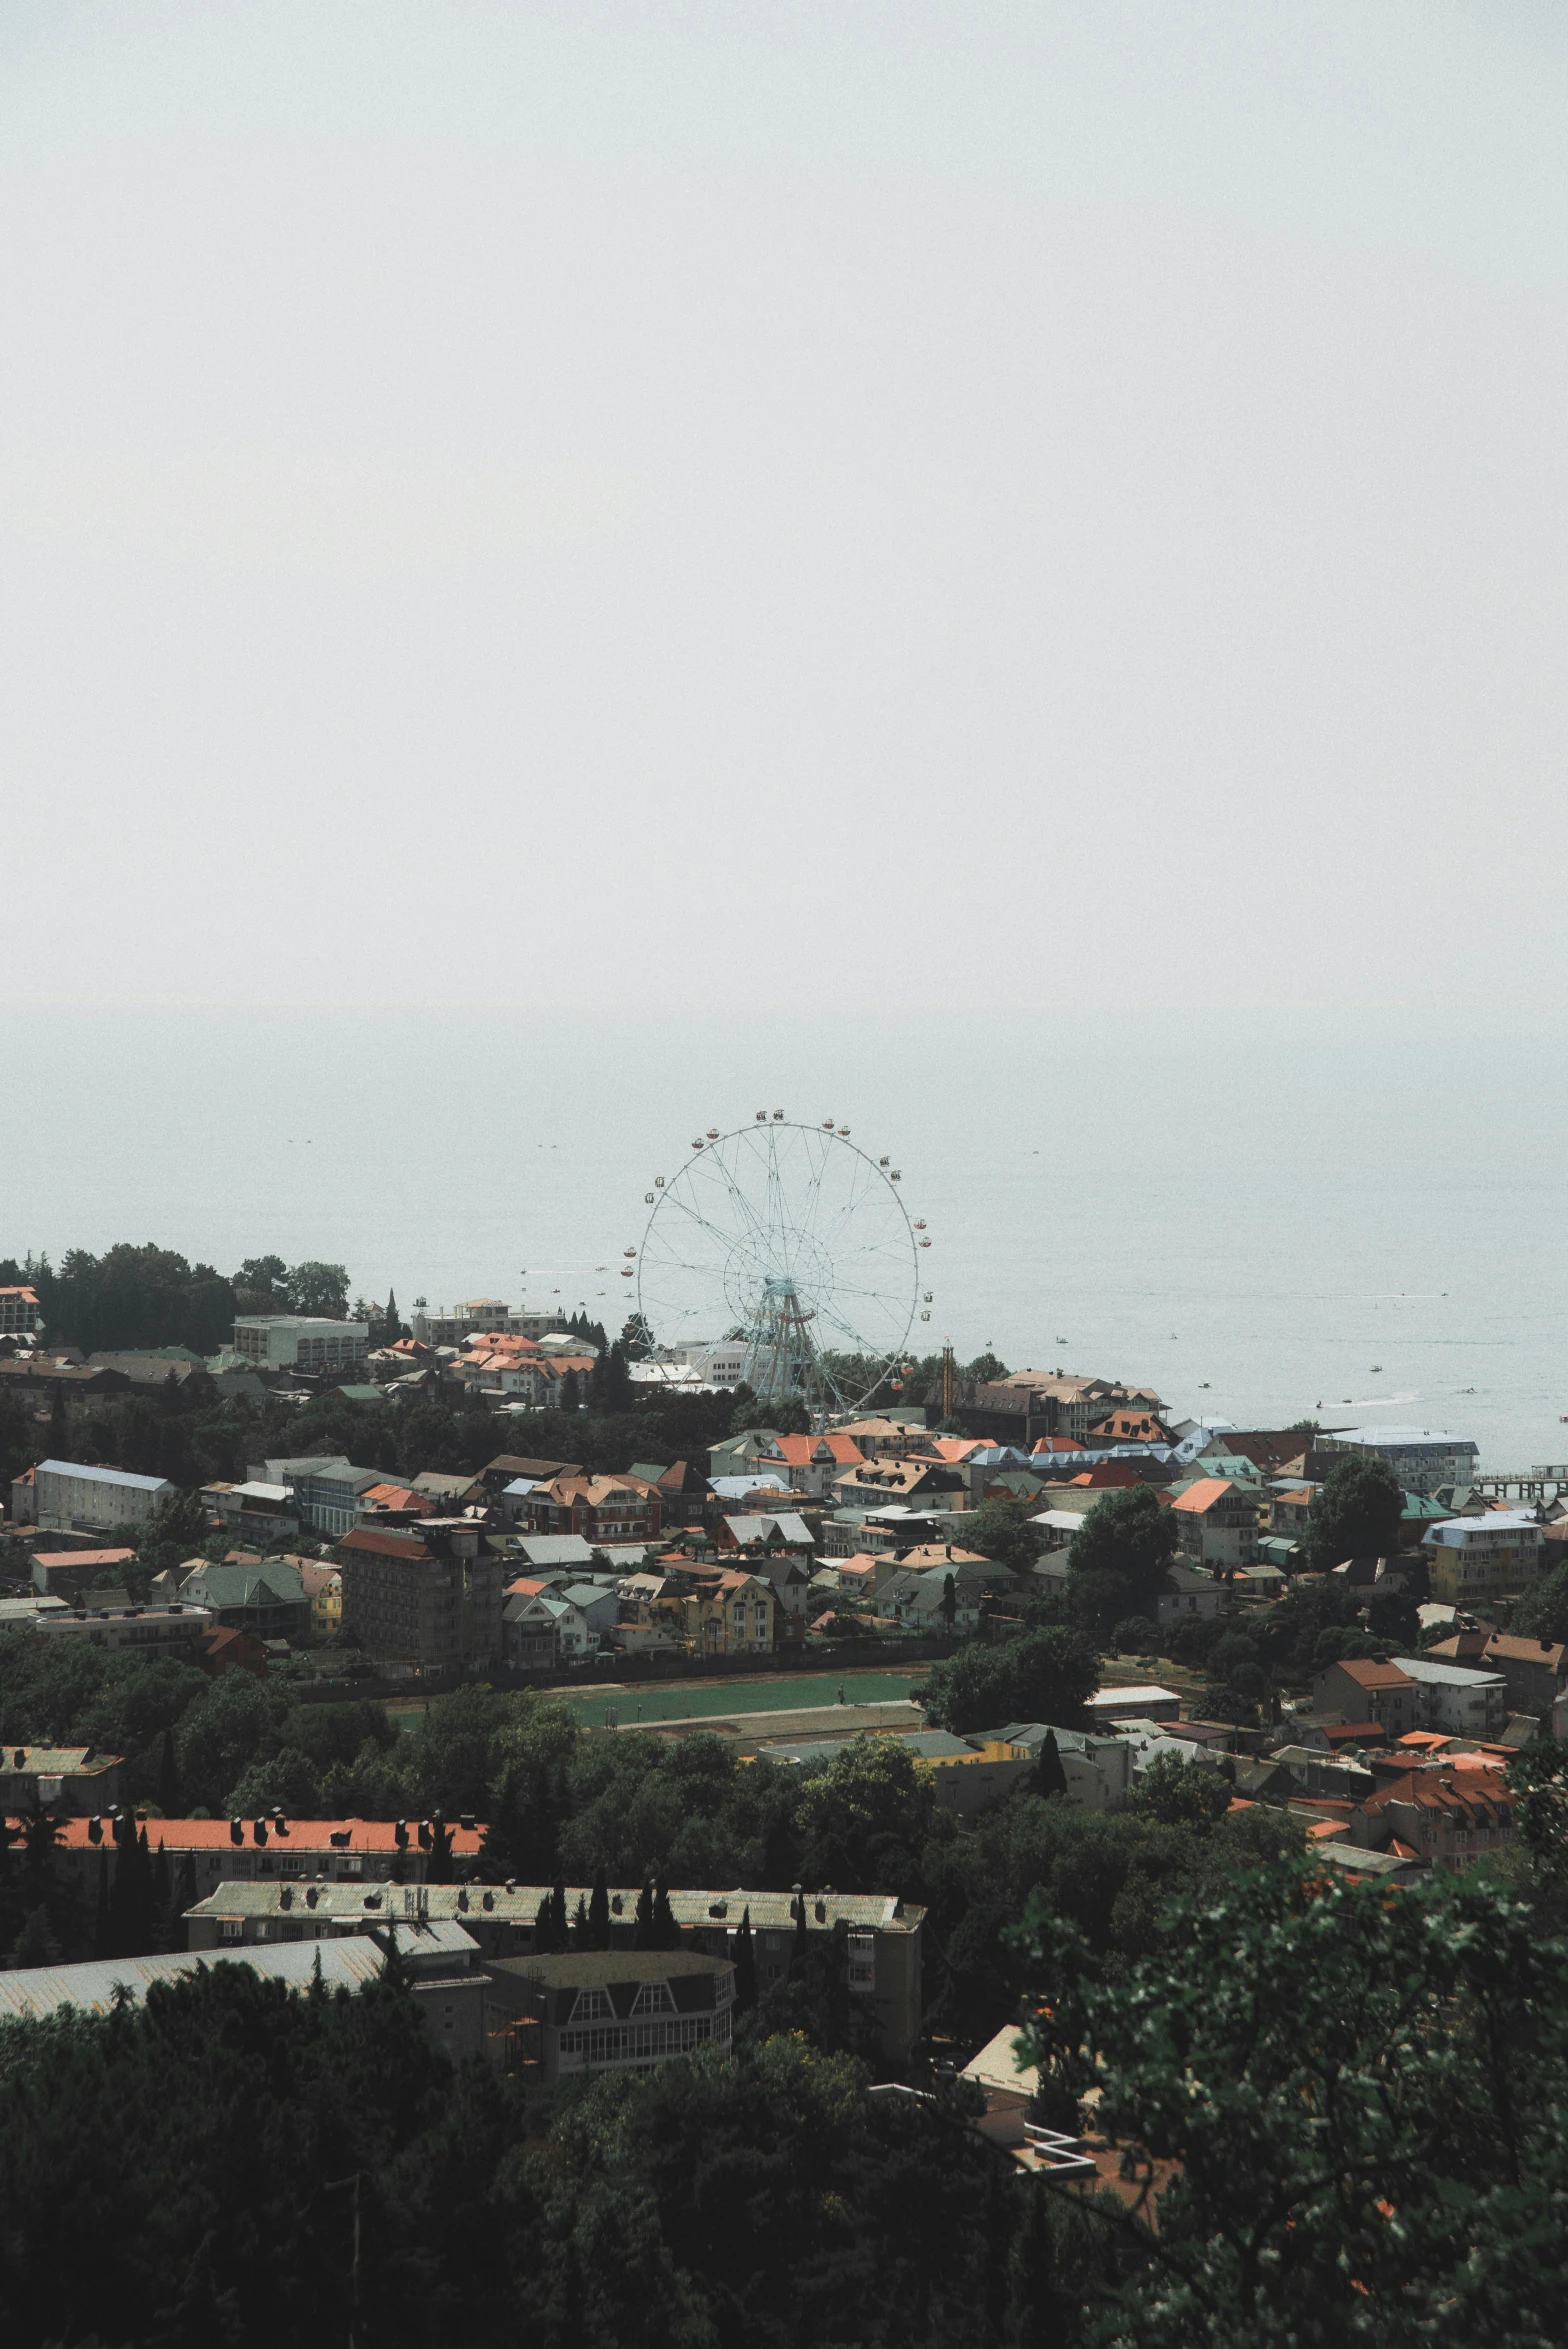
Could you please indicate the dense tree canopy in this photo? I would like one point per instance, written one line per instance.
(1045, 1675)
(1364, 2094)
(1355, 1514)
(1120, 1556)
(1542, 1613)
(133, 1296)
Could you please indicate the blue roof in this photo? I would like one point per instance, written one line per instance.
(145, 1484)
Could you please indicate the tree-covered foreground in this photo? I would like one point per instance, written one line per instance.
(1352, 2100)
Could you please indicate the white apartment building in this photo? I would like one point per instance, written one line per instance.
(298, 1341)
(323, 1487)
(71, 1497)
(1454, 1698)
(441, 1325)
(1421, 1458)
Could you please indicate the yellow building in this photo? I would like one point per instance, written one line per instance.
(735, 1616)
(324, 1587)
(1476, 1558)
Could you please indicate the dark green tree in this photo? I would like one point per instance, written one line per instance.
(1120, 1556)
(1000, 1529)
(1543, 1611)
(666, 1934)
(1050, 1777)
(36, 1945)
(103, 1920)
(1181, 1794)
(642, 1933)
(1045, 1675)
(438, 1861)
(316, 1288)
(1362, 2096)
(168, 1777)
(1355, 1513)
(599, 1913)
(745, 1966)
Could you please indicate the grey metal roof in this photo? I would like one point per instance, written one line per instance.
(519, 1904)
(42, 1990)
(556, 1549)
(1439, 1673)
(141, 1484)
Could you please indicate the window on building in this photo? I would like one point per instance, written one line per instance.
(593, 2006)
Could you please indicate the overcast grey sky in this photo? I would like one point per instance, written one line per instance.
(1012, 505)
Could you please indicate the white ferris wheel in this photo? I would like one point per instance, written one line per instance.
(792, 1245)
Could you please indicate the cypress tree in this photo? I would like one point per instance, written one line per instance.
(36, 1945)
(1050, 1777)
(798, 1947)
(168, 1778)
(438, 1867)
(599, 1913)
(143, 1915)
(745, 1966)
(167, 1929)
(103, 1927)
(558, 1932)
(580, 1925)
(571, 1391)
(642, 1936)
(185, 1890)
(666, 1933)
(622, 1394)
(500, 1854)
(59, 1425)
(392, 1328)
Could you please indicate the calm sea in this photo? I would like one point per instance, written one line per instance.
(1262, 1218)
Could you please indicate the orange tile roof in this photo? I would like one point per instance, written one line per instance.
(800, 1451)
(365, 1835)
(1368, 1675)
(1203, 1494)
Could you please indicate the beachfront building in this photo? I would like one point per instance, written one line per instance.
(1422, 1458)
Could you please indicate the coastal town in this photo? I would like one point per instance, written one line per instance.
(625, 1716)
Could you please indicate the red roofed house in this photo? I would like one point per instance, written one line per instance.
(1217, 1523)
(1364, 1691)
(1451, 1818)
(1128, 1427)
(600, 1508)
(228, 1648)
(809, 1463)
